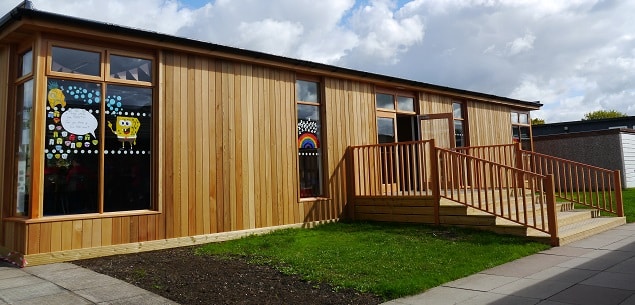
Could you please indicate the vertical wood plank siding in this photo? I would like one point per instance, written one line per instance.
(227, 156)
(484, 118)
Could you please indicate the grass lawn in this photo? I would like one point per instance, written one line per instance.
(390, 260)
(628, 195)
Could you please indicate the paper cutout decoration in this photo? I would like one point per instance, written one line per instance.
(126, 130)
(308, 140)
(56, 96)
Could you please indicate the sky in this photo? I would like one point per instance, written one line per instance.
(573, 56)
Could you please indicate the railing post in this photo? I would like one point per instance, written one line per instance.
(351, 183)
(434, 162)
(552, 217)
(617, 178)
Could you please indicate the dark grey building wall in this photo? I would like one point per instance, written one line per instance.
(598, 148)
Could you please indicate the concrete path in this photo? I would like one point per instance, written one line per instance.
(65, 283)
(599, 270)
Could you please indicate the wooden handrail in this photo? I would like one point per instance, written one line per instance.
(579, 183)
(496, 189)
(392, 169)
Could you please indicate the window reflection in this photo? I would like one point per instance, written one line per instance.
(406, 103)
(130, 68)
(76, 61)
(24, 119)
(26, 63)
(307, 91)
(385, 101)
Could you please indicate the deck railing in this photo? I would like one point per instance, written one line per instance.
(504, 154)
(503, 180)
(579, 183)
(394, 169)
(514, 194)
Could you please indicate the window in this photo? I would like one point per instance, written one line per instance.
(395, 112)
(23, 132)
(26, 63)
(521, 129)
(460, 130)
(98, 137)
(309, 139)
(75, 61)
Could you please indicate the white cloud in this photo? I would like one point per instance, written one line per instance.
(521, 44)
(260, 36)
(574, 56)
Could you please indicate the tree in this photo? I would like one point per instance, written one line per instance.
(537, 121)
(603, 114)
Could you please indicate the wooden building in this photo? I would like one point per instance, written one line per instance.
(120, 140)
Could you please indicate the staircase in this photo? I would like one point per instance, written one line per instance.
(573, 224)
(499, 188)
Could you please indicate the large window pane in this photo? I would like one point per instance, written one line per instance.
(309, 151)
(406, 103)
(128, 143)
(130, 68)
(457, 112)
(26, 63)
(24, 118)
(459, 135)
(385, 101)
(76, 61)
(307, 91)
(386, 130)
(71, 154)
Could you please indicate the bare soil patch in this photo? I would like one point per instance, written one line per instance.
(184, 277)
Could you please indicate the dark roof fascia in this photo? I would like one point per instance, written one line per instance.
(20, 11)
(591, 133)
(583, 122)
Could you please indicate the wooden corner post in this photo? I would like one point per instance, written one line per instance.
(434, 161)
(617, 177)
(552, 216)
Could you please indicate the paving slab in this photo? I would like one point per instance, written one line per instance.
(624, 281)
(561, 274)
(596, 242)
(23, 293)
(588, 263)
(481, 282)
(436, 296)
(499, 299)
(62, 298)
(110, 293)
(591, 295)
(527, 265)
(567, 251)
(530, 288)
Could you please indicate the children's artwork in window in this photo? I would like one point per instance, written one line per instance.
(309, 151)
(307, 134)
(71, 151)
(128, 143)
(72, 119)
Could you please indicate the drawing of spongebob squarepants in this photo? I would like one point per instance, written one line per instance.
(126, 130)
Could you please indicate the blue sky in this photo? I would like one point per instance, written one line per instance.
(573, 56)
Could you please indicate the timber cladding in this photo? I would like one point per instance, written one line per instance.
(227, 157)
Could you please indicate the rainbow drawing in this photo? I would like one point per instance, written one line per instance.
(308, 140)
